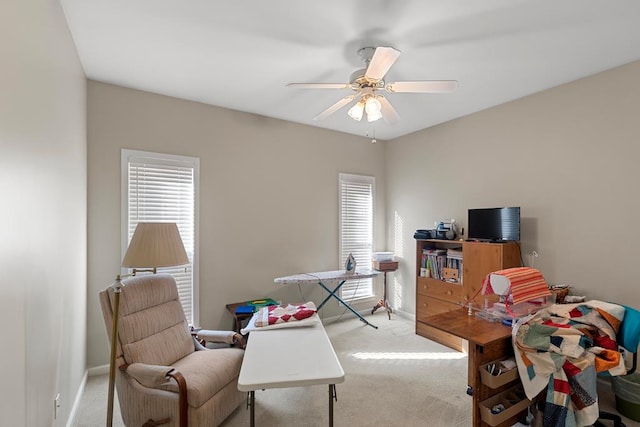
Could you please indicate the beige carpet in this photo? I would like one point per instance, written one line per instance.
(393, 378)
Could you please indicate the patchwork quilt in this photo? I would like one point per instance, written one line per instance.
(563, 348)
(276, 314)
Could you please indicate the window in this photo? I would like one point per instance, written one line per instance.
(356, 230)
(164, 188)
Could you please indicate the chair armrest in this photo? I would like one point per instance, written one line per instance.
(227, 337)
(152, 376)
(157, 376)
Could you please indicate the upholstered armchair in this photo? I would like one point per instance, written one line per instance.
(163, 375)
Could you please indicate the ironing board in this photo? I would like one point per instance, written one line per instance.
(325, 278)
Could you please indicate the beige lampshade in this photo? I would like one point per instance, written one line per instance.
(155, 244)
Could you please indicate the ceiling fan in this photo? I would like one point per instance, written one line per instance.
(366, 82)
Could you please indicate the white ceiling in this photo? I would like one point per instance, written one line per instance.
(240, 54)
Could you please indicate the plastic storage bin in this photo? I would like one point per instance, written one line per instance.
(495, 381)
(513, 401)
(627, 391)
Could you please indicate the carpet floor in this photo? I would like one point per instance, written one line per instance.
(393, 377)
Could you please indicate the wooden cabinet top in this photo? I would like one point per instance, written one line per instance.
(466, 242)
(470, 328)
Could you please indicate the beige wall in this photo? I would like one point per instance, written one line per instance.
(268, 197)
(43, 216)
(567, 156)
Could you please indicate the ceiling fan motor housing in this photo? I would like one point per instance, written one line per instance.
(358, 80)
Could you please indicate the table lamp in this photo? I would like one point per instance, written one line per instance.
(153, 245)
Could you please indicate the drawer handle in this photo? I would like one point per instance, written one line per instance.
(449, 292)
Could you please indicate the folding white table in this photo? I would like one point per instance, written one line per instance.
(324, 277)
(289, 357)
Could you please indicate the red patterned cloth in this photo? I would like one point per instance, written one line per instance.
(526, 283)
(274, 314)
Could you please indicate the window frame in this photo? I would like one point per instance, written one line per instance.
(346, 291)
(162, 158)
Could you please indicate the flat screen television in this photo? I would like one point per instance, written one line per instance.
(494, 224)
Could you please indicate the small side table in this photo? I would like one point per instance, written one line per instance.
(238, 318)
(385, 267)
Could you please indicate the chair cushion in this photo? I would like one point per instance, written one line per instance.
(161, 348)
(208, 371)
(152, 325)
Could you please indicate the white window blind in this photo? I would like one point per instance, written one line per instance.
(356, 230)
(163, 188)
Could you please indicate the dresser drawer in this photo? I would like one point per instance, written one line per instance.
(427, 306)
(438, 289)
(443, 338)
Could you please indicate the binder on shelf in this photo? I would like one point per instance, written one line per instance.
(244, 309)
(259, 303)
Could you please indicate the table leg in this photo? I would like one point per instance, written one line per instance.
(333, 293)
(332, 395)
(252, 408)
(384, 302)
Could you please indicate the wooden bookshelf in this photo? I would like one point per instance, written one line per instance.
(435, 296)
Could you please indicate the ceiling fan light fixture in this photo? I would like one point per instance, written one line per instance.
(366, 82)
(356, 111)
(373, 109)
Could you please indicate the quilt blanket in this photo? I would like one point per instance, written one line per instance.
(275, 314)
(562, 348)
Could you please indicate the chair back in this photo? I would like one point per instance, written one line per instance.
(152, 327)
(629, 334)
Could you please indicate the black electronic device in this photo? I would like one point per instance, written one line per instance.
(494, 224)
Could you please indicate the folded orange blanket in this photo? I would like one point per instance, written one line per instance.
(275, 314)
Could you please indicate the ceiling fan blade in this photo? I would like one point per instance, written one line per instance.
(389, 113)
(335, 107)
(319, 85)
(383, 58)
(423, 86)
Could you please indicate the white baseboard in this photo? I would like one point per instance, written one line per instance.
(77, 400)
(98, 370)
(366, 313)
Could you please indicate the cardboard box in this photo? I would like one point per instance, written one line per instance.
(385, 265)
(514, 401)
(495, 381)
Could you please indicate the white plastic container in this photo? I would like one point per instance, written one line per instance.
(383, 256)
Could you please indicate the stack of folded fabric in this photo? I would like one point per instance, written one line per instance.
(276, 314)
(424, 234)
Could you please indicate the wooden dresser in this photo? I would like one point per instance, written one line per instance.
(435, 295)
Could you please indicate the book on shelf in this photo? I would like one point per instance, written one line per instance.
(454, 253)
(244, 309)
(434, 260)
